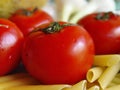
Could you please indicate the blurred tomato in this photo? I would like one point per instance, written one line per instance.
(105, 31)
(11, 39)
(59, 53)
(29, 19)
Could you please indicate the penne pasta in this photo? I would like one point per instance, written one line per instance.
(89, 85)
(106, 60)
(94, 73)
(94, 88)
(39, 87)
(78, 86)
(116, 87)
(116, 80)
(12, 77)
(18, 82)
(111, 84)
(118, 75)
(103, 76)
(108, 75)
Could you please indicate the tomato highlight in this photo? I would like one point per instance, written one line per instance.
(11, 40)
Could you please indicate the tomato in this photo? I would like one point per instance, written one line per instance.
(11, 39)
(29, 19)
(104, 28)
(58, 53)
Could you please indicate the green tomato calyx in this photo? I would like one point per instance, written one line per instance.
(104, 16)
(28, 12)
(55, 27)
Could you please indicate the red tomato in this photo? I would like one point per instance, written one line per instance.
(58, 54)
(29, 19)
(105, 31)
(11, 39)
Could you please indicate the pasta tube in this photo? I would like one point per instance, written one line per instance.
(108, 75)
(94, 73)
(12, 77)
(116, 80)
(111, 84)
(18, 82)
(89, 85)
(78, 86)
(116, 87)
(94, 88)
(39, 87)
(118, 75)
(106, 60)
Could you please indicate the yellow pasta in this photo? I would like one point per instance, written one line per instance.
(111, 84)
(30, 3)
(18, 82)
(13, 77)
(118, 75)
(103, 76)
(39, 87)
(94, 73)
(108, 75)
(78, 86)
(116, 87)
(106, 60)
(89, 85)
(116, 80)
(94, 88)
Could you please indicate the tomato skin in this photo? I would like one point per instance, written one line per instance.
(105, 33)
(11, 39)
(27, 22)
(61, 57)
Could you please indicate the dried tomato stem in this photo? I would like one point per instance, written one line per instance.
(28, 12)
(105, 16)
(54, 27)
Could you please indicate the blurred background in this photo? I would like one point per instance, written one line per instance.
(65, 10)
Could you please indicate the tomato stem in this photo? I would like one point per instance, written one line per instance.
(54, 27)
(29, 12)
(105, 16)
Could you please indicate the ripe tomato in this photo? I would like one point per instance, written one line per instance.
(59, 53)
(105, 31)
(29, 19)
(11, 39)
